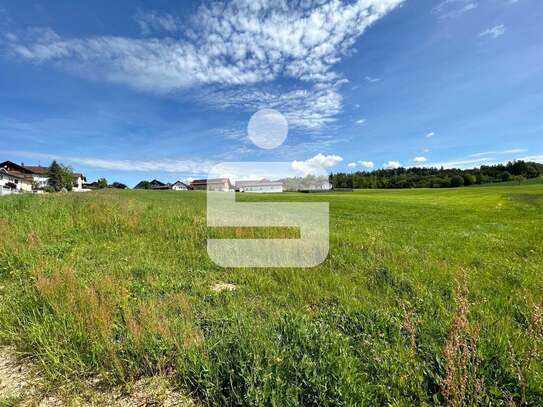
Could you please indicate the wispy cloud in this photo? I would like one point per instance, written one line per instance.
(454, 8)
(371, 79)
(430, 135)
(461, 163)
(160, 165)
(5, 19)
(351, 165)
(493, 32)
(152, 22)
(181, 166)
(241, 42)
(535, 158)
(419, 159)
(511, 151)
(361, 121)
(310, 108)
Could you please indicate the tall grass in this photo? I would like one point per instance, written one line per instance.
(427, 297)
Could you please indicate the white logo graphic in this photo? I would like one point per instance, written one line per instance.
(267, 129)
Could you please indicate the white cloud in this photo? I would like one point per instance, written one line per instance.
(361, 121)
(367, 164)
(419, 159)
(240, 42)
(351, 165)
(372, 80)
(430, 135)
(454, 8)
(390, 165)
(493, 32)
(316, 165)
(426, 150)
(152, 21)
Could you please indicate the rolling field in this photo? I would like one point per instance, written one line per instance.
(427, 297)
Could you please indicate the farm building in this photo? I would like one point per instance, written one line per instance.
(261, 186)
(216, 184)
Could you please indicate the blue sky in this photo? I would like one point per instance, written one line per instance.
(132, 90)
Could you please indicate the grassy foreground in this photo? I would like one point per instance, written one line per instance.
(427, 297)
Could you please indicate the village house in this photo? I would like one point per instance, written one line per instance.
(261, 186)
(14, 181)
(216, 184)
(180, 186)
(154, 184)
(37, 177)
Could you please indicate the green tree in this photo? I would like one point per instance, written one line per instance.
(67, 177)
(102, 183)
(519, 178)
(145, 185)
(457, 181)
(506, 176)
(60, 177)
(55, 182)
(469, 179)
(532, 171)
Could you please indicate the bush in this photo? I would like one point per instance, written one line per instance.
(457, 181)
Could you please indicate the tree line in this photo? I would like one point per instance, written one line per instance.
(421, 177)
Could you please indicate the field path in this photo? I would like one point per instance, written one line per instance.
(17, 385)
(20, 387)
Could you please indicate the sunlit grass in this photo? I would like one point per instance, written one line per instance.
(426, 296)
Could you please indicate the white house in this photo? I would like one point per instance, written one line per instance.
(13, 181)
(261, 186)
(180, 186)
(79, 180)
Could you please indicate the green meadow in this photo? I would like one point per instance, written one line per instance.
(427, 297)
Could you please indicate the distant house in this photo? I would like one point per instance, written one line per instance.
(216, 184)
(143, 185)
(91, 185)
(180, 186)
(157, 185)
(154, 185)
(40, 176)
(118, 185)
(261, 186)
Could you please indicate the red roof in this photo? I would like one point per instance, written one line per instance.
(37, 169)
